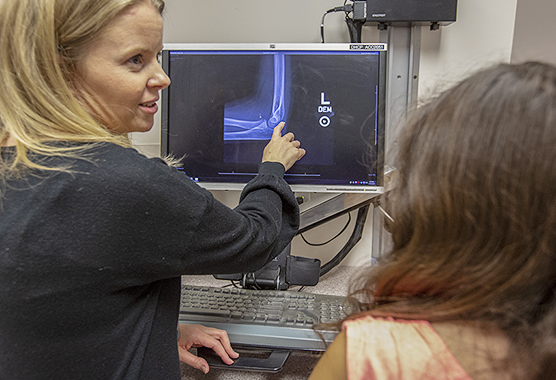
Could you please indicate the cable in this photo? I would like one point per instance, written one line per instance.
(326, 242)
(355, 28)
(353, 240)
(344, 8)
(356, 21)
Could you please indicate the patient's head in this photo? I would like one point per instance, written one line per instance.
(474, 231)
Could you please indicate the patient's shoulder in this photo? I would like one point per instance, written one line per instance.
(480, 349)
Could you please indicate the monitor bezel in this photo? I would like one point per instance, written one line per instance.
(300, 188)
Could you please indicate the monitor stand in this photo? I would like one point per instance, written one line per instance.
(286, 270)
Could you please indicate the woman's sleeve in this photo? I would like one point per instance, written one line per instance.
(183, 229)
(332, 365)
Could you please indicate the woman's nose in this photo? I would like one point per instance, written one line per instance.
(159, 79)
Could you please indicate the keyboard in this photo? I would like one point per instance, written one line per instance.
(264, 318)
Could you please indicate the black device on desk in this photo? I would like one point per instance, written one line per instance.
(219, 114)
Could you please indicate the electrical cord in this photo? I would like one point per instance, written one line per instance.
(330, 240)
(356, 235)
(344, 8)
(354, 26)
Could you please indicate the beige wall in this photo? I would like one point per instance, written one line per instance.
(535, 31)
(252, 21)
(482, 35)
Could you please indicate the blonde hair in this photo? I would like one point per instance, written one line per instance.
(42, 40)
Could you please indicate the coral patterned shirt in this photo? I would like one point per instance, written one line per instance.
(384, 348)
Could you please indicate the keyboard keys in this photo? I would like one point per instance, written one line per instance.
(272, 307)
(205, 311)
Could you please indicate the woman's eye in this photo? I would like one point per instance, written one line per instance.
(136, 60)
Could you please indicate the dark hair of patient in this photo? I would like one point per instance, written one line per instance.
(474, 231)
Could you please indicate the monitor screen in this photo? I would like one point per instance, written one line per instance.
(225, 100)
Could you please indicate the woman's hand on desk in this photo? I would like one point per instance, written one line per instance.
(202, 336)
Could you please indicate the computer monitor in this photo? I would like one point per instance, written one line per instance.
(225, 99)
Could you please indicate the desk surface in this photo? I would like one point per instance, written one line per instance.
(300, 363)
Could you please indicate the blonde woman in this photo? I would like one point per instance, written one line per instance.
(94, 236)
